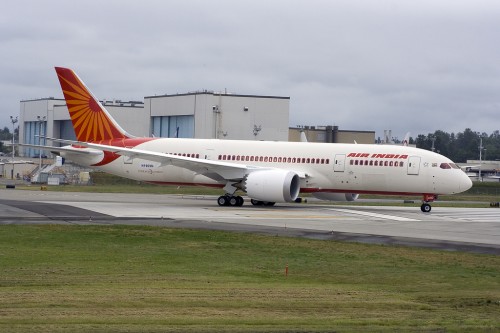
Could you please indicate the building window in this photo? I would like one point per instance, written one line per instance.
(172, 126)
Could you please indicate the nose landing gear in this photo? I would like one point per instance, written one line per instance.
(426, 207)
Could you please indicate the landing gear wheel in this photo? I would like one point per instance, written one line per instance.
(256, 202)
(262, 203)
(223, 200)
(227, 200)
(233, 201)
(426, 208)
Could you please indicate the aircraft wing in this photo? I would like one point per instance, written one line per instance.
(60, 149)
(216, 170)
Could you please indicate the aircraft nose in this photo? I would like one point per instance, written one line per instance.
(465, 183)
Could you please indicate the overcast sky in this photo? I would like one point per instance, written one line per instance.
(414, 66)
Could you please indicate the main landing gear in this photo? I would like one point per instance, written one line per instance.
(426, 207)
(230, 200)
(237, 201)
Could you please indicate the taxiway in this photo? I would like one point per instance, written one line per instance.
(465, 229)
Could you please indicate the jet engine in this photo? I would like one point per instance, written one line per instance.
(336, 196)
(274, 185)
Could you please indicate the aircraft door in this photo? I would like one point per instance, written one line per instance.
(413, 165)
(209, 154)
(339, 163)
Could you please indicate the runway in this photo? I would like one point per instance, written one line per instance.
(464, 229)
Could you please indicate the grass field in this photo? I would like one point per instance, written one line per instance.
(148, 279)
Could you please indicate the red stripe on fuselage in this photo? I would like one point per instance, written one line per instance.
(126, 143)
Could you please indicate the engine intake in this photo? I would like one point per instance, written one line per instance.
(274, 185)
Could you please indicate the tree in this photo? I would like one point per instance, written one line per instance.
(5, 134)
(462, 146)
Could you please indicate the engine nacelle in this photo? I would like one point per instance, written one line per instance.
(336, 196)
(272, 185)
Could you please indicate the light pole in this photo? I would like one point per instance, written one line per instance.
(433, 139)
(41, 120)
(480, 161)
(14, 121)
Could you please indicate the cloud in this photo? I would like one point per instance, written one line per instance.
(362, 65)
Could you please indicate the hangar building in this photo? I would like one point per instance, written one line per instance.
(205, 114)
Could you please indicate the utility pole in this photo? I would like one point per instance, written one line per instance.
(14, 121)
(480, 161)
(41, 120)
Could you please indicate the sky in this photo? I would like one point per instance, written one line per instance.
(417, 66)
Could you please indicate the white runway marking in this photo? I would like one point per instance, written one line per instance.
(472, 215)
(381, 216)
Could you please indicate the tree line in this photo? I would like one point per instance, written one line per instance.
(461, 146)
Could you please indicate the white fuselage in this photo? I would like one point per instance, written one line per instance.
(335, 168)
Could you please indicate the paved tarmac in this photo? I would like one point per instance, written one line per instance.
(455, 229)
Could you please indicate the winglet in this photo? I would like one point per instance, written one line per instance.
(91, 121)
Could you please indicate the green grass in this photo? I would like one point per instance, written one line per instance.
(144, 279)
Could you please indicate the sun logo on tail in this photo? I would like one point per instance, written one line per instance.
(90, 120)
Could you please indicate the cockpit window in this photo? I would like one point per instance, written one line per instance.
(445, 166)
(454, 166)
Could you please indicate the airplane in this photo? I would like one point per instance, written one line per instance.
(268, 172)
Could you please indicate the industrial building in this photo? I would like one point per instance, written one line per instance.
(209, 115)
(202, 115)
(330, 134)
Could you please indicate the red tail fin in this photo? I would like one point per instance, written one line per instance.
(90, 119)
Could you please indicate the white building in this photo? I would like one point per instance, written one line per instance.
(208, 115)
(193, 115)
